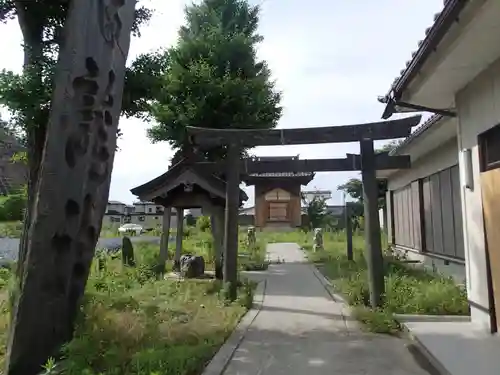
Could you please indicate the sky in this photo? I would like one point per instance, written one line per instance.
(331, 59)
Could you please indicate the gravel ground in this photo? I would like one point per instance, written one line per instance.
(9, 247)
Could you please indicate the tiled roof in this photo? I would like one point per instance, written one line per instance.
(282, 174)
(433, 35)
(420, 130)
(116, 202)
(279, 174)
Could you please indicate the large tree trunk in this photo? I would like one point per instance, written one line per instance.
(32, 30)
(72, 185)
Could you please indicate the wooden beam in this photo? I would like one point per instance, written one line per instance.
(374, 258)
(382, 130)
(350, 163)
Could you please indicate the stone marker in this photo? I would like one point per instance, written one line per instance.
(318, 239)
(251, 240)
(128, 252)
(192, 266)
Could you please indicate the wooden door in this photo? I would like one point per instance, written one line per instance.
(489, 154)
(490, 187)
(278, 211)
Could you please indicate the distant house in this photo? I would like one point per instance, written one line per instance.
(147, 214)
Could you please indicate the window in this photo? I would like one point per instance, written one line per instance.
(428, 216)
(277, 195)
(442, 213)
(489, 146)
(150, 210)
(407, 223)
(141, 218)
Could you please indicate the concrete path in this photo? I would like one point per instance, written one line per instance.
(301, 330)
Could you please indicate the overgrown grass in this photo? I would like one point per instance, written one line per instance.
(409, 289)
(11, 229)
(132, 323)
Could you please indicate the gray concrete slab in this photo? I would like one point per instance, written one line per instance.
(459, 348)
(301, 330)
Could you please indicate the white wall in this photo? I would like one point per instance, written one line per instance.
(443, 157)
(478, 106)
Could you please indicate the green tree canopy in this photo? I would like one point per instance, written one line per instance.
(214, 79)
(28, 95)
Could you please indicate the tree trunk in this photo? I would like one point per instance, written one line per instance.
(32, 31)
(66, 217)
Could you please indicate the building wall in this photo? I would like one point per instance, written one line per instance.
(430, 188)
(113, 208)
(443, 157)
(478, 106)
(261, 205)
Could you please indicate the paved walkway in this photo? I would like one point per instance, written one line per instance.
(301, 330)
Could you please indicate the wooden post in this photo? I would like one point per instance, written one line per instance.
(348, 231)
(374, 256)
(231, 220)
(165, 236)
(73, 183)
(217, 224)
(178, 239)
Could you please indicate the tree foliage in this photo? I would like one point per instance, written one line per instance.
(27, 95)
(354, 187)
(214, 79)
(317, 212)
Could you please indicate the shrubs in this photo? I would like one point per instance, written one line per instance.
(12, 207)
(11, 229)
(131, 323)
(409, 290)
(203, 223)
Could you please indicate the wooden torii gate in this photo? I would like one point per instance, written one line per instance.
(367, 162)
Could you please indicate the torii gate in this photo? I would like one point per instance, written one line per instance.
(368, 162)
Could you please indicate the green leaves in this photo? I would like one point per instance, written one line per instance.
(214, 79)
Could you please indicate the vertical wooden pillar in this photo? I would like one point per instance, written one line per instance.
(231, 220)
(372, 225)
(178, 238)
(217, 224)
(167, 216)
(348, 231)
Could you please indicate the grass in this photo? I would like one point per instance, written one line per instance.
(11, 229)
(132, 323)
(409, 289)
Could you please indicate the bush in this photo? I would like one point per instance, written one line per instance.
(12, 207)
(190, 220)
(203, 223)
(409, 289)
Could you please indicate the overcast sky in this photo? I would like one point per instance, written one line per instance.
(330, 58)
